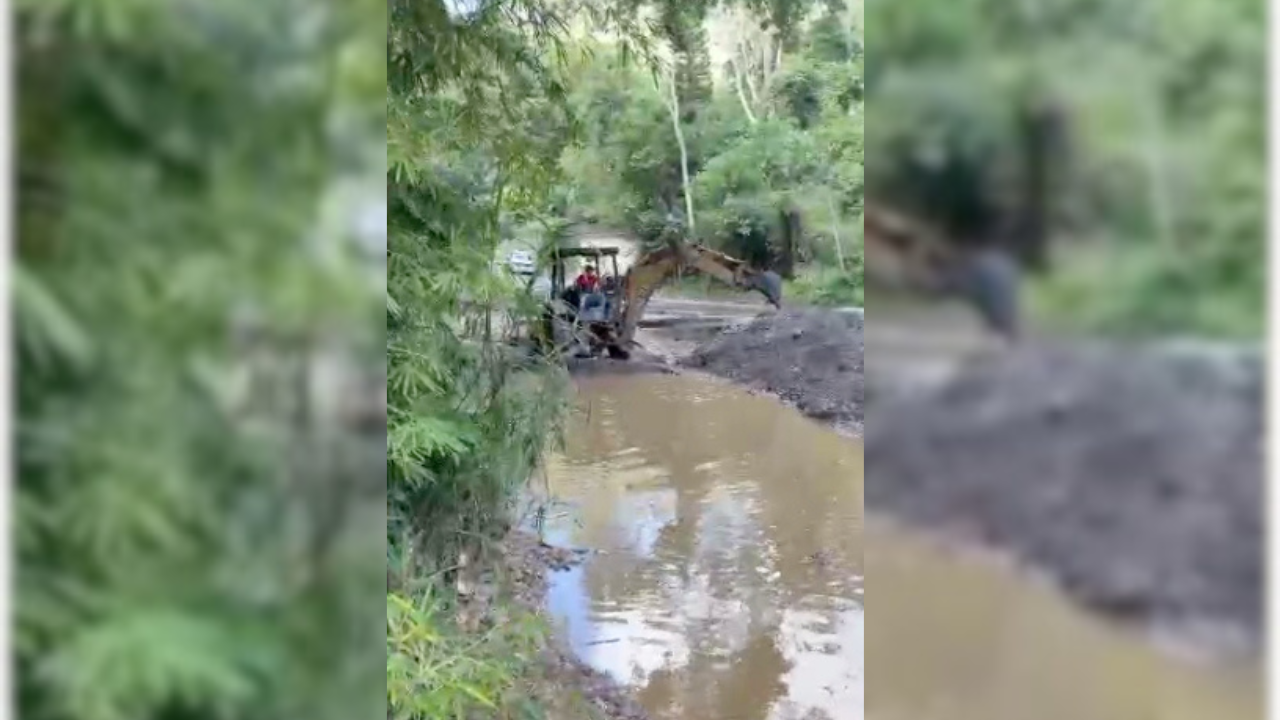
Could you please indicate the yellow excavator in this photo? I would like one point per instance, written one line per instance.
(905, 254)
(608, 320)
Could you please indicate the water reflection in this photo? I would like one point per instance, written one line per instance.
(732, 583)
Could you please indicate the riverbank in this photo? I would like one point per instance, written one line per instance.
(566, 687)
(1131, 477)
(489, 646)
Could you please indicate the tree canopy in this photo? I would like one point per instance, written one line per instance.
(1134, 128)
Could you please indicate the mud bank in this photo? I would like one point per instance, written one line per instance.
(568, 688)
(640, 363)
(810, 358)
(1132, 476)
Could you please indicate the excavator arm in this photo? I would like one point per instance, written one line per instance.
(900, 253)
(903, 253)
(654, 269)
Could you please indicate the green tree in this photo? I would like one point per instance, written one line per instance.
(188, 546)
(794, 115)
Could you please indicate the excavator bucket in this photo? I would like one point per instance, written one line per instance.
(769, 284)
(990, 282)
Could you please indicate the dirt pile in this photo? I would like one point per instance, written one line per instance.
(1134, 477)
(811, 358)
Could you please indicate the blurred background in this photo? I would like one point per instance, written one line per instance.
(1065, 250)
(198, 284)
(1115, 148)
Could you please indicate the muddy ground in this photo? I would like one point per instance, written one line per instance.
(1133, 476)
(810, 358)
(1129, 476)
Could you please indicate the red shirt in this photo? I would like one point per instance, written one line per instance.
(588, 283)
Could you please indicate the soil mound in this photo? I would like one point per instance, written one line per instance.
(811, 358)
(1134, 476)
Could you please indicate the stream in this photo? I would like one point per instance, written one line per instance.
(729, 583)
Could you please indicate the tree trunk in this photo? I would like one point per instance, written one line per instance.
(835, 233)
(791, 228)
(1162, 202)
(736, 67)
(673, 105)
(1042, 147)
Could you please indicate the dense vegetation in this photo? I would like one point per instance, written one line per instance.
(1138, 129)
(474, 128)
(509, 118)
(188, 545)
(751, 143)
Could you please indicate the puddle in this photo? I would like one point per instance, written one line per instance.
(730, 586)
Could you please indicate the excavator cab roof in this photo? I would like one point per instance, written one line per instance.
(559, 256)
(594, 252)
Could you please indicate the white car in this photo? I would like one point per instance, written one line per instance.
(521, 262)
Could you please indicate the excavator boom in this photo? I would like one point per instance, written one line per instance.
(903, 253)
(654, 269)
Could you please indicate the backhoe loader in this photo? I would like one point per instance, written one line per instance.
(608, 322)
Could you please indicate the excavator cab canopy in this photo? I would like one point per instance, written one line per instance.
(559, 256)
(594, 252)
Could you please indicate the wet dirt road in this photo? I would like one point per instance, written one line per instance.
(730, 583)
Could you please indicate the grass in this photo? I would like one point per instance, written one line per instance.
(436, 669)
(825, 286)
(455, 659)
(1142, 291)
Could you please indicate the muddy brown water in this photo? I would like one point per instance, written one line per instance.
(957, 638)
(729, 583)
